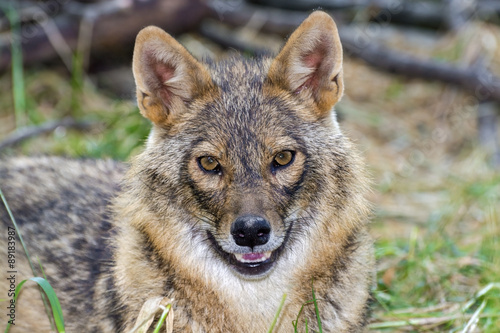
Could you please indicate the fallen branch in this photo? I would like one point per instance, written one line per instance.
(488, 130)
(430, 14)
(221, 35)
(25, 133)
(483, 84)
(115, 25)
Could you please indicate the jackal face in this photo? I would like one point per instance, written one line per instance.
(242, 147)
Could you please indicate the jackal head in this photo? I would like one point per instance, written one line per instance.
(247, 152)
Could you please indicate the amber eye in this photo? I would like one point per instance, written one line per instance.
(209, 163)
(283, 158)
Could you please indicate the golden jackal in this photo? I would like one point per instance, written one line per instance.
(246, 190)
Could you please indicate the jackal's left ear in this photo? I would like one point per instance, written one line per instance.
(310, 63)
(167, 76)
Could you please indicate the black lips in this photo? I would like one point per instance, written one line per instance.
(251, 268)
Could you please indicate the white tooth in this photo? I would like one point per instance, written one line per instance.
(266, 255)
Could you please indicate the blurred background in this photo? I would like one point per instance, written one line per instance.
(422, 101)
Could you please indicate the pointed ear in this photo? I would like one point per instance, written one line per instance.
(310, 63)
(166, 75)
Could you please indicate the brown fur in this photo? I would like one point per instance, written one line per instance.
(173, 221)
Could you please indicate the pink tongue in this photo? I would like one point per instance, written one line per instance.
(253, 256)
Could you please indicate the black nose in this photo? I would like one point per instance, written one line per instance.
(250, 230)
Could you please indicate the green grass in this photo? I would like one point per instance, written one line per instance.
(447, 271)
(161, 322)
(437, 273)
(18, 91)
(46, 290)
(296, 322)
(117, 130)
(53, 300)
(273, 324)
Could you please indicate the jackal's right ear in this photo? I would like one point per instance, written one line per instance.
(310, 63)
(166, 75)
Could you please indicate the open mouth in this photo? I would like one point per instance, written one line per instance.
(252, 257)
(251, 263)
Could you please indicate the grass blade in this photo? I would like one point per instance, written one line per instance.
(18, 89)
(148, 312)
(47, 310)
(277, 313)
(166, 311)
(474, 319)
(54, 301)
(295, 323)
(315, 301)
